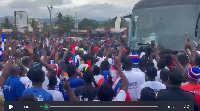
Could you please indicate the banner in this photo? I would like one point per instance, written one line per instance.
(21, 18)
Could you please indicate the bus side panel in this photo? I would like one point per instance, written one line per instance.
(168, 23)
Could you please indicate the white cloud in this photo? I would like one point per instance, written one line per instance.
(95, 9)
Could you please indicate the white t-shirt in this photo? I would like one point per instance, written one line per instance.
(139, 71)
(84, 52)
(158, 77)
(110, 60)
(46, 83)
(135, 79)
(26, 81)
(100, 61)
(155, 64)
(80, 68)
(155, 85)
(184, 83)
(0, 73)
(57, 95)
(121, 96)
(98, 77)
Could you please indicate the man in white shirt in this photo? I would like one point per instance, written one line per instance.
(151, 73)
(57, 95)
(160, 65)
(26, 81)
(135, 79)
(141, 67)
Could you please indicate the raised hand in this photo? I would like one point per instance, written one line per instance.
(30, 49)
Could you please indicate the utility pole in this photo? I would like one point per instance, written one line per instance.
(50, 8)
(76, 24)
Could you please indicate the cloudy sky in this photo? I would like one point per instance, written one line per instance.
(95, 9)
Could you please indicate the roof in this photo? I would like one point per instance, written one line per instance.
(159, 3)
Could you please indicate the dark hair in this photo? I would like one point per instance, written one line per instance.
(127, 62)
(197, 61)
(71, 70)
(183, 58)
(26, 60)
(88, 76)
(168, 60)
(164, 75)
(48, 52)
(67, 57)
(161, 64)
(36, 75)
(52, 81)
(105, 93)
(100, 53)
(105, 65)
(142, 63)
(149, 64)
(15, 70)
(96, 70)
(28, 98)
(147, 94)
(175, 77)
(151, 72)
(87, 57)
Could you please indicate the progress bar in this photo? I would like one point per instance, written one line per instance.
(104, 106)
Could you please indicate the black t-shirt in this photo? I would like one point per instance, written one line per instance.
(86, 93)
(177, 94)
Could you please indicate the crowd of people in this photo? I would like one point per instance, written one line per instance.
(52, 68)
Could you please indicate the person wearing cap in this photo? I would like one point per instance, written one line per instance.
(175, 93)
(193, 75)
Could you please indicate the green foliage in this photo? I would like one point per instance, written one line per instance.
(34, 24)
(59, 20)
(45, 27)
(88, 22)
(7, 24)
(66, 23)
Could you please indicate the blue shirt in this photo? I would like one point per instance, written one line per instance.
(74, 83)
(13, 89)
(40, 94)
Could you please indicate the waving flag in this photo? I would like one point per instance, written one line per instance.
(1, 53)
(135, 58)
(115, 78)
(76, 63)
(117, 84)
(194, 73)
(2, 47)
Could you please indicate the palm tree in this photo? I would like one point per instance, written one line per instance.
(34, 24)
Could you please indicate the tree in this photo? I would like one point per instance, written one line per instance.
(34, 24)
(67, 23)
(45, 27)
(7, 24)
(88, 22)
(59, 20)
